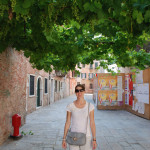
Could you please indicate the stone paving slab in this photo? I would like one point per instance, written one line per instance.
(115, 129)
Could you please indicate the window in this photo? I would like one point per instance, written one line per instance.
(59, 85)
(91, 66)
(78, 83)
(45, 85)
(91, 86)
(55, 85)
(83, 75)
(96, 65)
(31, 85)
(83, 65)
(91, 75)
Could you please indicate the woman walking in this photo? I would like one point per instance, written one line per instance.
(77, 117)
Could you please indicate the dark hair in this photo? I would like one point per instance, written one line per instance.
(80, 85)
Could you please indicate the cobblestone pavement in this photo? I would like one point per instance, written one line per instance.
(115, 129)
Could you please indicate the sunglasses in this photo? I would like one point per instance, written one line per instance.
(77, 91)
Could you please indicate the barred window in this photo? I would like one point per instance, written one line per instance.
(45, 85)
(31, 85)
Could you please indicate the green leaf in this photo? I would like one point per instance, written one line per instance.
(87, 6)
(140, 18)
(109, 10)
(123, 13)
(4, 2)
(147, 16)
(92, 8)
(135, 14)
(114, 13)
(75, 24)
(97, 4)
(27, 3)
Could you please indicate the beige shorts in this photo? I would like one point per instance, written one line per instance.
(87, 146)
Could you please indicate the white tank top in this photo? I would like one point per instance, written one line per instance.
(79, 118)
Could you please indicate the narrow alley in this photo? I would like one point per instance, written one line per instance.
(116, 129)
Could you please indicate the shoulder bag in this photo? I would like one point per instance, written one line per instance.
(77, 138)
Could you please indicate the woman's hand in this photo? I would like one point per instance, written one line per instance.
(67, 125)
(64, 144)
(94, 145)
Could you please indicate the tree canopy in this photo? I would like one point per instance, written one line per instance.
(61, 33)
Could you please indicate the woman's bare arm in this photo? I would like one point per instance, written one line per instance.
(92, 124)
(93, 129)
(67, 124)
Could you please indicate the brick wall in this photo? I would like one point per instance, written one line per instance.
(15, 71)
(12, 89)
(32, 100)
